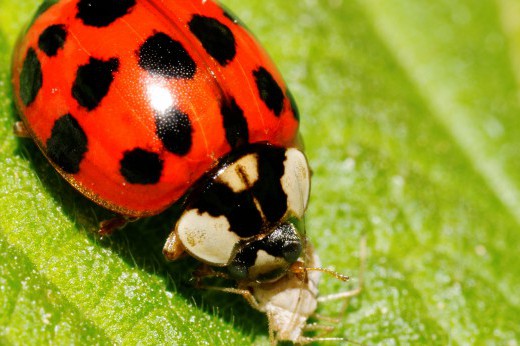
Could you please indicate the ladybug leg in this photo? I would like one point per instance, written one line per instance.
(108, 227)
(205, 271)
(248, 296)
(173, 248)
(20, 130)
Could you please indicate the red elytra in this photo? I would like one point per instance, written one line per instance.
(133, 101)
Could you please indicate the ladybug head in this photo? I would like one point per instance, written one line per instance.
(245, 215)
(269, 258)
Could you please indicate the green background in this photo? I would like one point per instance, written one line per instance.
(410, 114)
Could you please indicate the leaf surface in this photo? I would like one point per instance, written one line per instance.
(410, 119)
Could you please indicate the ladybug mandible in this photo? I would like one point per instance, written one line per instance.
(139, 103)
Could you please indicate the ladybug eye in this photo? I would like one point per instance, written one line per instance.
(284, 242)
(291, 245)
(268, 258)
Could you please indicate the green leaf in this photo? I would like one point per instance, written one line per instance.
(410, 118)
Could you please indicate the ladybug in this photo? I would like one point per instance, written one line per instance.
(140, 104)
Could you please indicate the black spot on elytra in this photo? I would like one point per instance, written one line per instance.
(31, 78)
(235, 124)
(67, 144)
(216, 38)
(101, 13)
(93, 81)
(174, 129)
(163, 56)
(268, 189)
(140, 166)
(52, 39)
(270, 92)
(294, 107)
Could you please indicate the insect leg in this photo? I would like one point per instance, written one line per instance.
(108, 227)
(243, 292)
(173, 248)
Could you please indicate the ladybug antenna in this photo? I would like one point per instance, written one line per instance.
(299, 268)
(330, 272)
